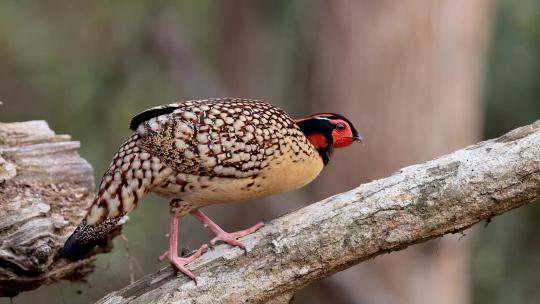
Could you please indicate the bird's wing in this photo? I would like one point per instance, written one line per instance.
(217, 137)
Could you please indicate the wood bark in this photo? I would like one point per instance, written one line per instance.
(415, 204)
(45, 188)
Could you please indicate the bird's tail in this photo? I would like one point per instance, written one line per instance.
(86, 237)
(130, 175)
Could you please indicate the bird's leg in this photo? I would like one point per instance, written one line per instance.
(172, 254)
(221, 235)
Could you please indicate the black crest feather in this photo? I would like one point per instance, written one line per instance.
(149, 114)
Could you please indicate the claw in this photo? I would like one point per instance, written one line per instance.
(231, 238)
(180, 262)
(221, 235)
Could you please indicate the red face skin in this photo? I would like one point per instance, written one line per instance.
(342, 136)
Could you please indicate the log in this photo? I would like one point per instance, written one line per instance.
(45, 188)
(418, 203)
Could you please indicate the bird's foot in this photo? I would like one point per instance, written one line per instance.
(180, 262)
(231, 238)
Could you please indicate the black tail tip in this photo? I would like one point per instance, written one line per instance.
(77, 246)
(86, 237)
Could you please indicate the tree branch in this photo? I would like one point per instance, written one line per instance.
(416, 204)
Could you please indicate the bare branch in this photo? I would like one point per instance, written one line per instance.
(418, 203)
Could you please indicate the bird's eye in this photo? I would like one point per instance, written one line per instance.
(340, 127)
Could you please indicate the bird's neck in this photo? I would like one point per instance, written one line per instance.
(322, 141)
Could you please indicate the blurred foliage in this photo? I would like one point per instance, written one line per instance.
(87, 67)
(506, 259)
(513, 79)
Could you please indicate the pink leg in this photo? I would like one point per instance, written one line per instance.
(229, 238)
(172, 254)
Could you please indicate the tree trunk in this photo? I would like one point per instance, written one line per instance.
(410, 76)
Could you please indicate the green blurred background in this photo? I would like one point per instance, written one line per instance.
(417, 76)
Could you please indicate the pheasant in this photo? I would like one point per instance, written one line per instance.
(204, 152)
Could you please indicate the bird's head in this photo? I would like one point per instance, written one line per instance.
(326, 131)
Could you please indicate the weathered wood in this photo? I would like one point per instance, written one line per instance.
(45, 188)
(418, 203)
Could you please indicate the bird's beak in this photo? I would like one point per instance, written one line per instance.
(359, 138)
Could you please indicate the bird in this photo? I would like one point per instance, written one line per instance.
(205, 152)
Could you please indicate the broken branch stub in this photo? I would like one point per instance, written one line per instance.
(45, 187)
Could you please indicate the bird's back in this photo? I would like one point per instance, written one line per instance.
(227, 150)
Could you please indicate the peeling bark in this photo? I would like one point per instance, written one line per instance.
(45, 188)
(417, 203)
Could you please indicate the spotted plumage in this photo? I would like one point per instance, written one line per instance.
(205, 152)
